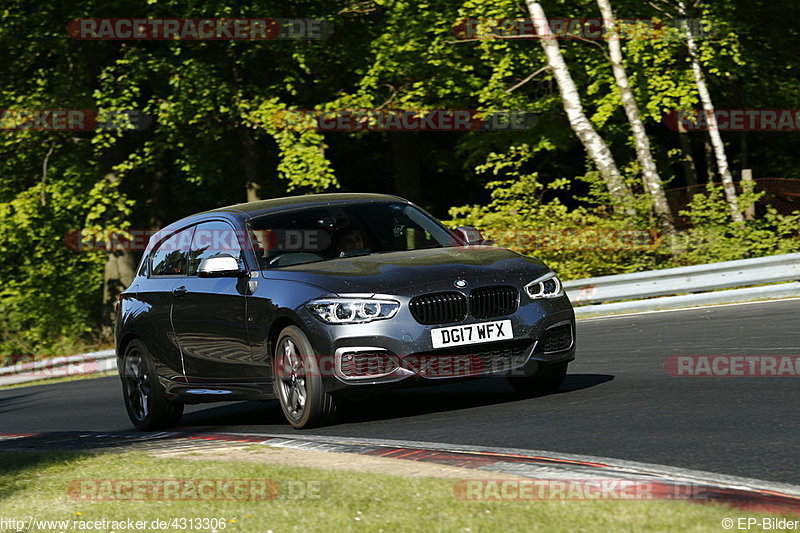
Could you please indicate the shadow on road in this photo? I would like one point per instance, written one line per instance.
(575, 382)
(403, 403)
(217, 418)
(399, 403)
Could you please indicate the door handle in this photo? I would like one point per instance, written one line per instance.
(179, 291)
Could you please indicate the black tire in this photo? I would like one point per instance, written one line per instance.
(145, 401)
(547, 379)
(299, 384)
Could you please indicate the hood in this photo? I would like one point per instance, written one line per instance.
(417, 271)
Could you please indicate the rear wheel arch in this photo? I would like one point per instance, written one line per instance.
(123, 344)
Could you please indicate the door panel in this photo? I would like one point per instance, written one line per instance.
(167, 270)
(209, 315)
(155, 324)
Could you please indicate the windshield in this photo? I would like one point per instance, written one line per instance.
(330, 232)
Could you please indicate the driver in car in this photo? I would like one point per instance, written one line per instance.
(348, 240)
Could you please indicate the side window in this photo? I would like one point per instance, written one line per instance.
(213, 238)
(169, 259)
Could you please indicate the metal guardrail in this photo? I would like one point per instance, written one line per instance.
(59, 367)
(682, 280)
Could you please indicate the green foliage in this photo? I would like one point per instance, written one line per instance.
(303, 164)
(713, 237)
(527, 216)
(50, 296)
(588, 241)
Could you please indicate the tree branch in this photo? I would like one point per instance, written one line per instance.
(527, 79)
(495, 37)
(42, 196)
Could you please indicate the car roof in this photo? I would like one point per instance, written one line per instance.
(262, 207)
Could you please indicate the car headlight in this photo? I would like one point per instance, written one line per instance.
(352, 310)
(548, 286)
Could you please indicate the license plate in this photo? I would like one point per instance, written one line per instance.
(471, 334)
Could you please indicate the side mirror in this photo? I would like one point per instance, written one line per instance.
(470, 236)
(220, 266)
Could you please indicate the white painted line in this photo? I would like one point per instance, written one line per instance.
(683, 309)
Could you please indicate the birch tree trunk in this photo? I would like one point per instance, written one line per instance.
(652, 181)
(711, 119)
(708, 155)
(592, 142)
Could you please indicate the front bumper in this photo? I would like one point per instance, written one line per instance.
(406, 349)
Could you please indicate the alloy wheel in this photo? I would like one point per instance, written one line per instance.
(138, 385)
(292, 387)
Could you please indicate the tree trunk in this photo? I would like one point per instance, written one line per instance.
(161, 191)
(687, 161)
(748, 185)
(251, 162)
(120, 264)
(708, 152)
(652, 181)
(405, 161)
(711, 119)
(118, 273)
(592, 142)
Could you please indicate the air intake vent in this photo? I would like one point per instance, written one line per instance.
(488, 302)
(439, 308)
(556, 339)
(359, 364)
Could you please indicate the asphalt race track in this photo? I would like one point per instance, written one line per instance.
(617, 401)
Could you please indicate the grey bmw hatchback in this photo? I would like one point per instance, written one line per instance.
(312, 300)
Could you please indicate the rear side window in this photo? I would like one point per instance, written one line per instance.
(169, 259)
(211, 239)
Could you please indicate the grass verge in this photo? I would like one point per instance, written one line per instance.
(37, 485)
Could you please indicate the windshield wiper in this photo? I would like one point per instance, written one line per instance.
(354, 253)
